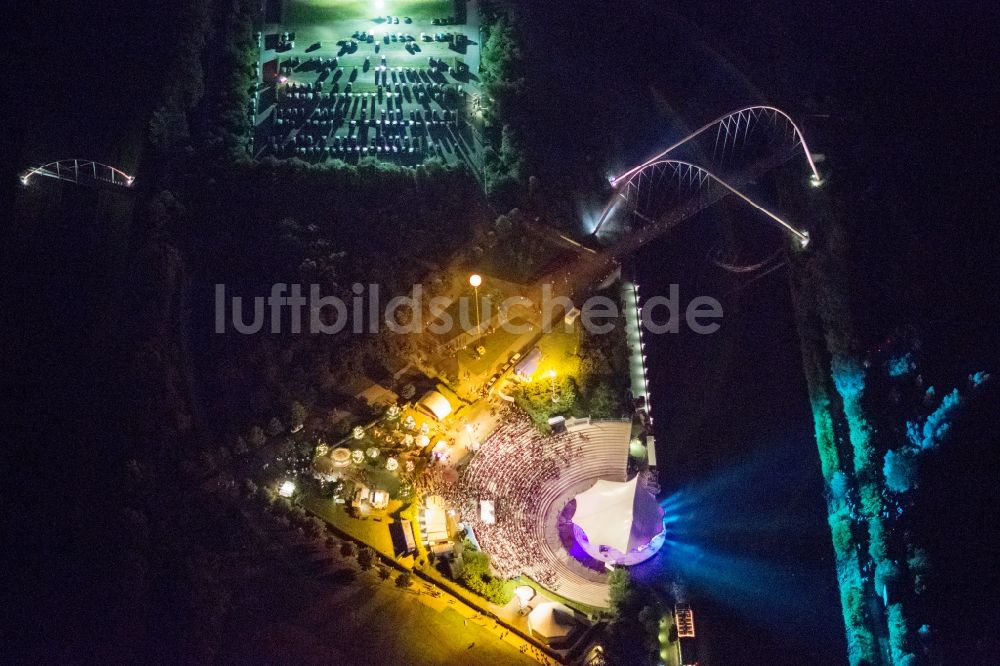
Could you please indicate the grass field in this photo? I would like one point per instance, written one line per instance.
(297, 606)
(303, 12)
(560, 350)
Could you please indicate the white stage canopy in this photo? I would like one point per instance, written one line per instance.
(604, 513)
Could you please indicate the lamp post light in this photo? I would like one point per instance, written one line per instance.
(552, 383)
(475, 280)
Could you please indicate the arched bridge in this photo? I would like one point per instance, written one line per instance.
(735, 134)
(718, 160)
(81, 172)
(667, 185)
(727, 153)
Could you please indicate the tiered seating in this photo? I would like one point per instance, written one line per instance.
(530, 478)
(509, 469)
(605, 456)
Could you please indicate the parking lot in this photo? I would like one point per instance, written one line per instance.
(337, 83)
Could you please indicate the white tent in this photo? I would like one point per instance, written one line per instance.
(487, 512)
(435, 527)
(551, 621)
(529, 364)
(436, 404)
(604, 513)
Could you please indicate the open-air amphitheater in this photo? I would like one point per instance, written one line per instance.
(530, 478)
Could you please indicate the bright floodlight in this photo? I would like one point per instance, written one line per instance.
(552, 373)
(804, 241)
(286, 489)
(379, 5)
(475, 279)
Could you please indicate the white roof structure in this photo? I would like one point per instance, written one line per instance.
(604, 512)
(435, 526)
(527, 365)
(618, 514)
(436, 404)
(487, 512)
(551, 620)
(341, 457)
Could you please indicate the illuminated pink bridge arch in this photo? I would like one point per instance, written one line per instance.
(771, 130)
(81, 172)
(678, 179)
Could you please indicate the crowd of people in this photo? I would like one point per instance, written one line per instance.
(323, 110)
(510, 469)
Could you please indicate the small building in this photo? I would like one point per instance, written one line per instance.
(456, 565)
(377, 395)
(380, 499)
(362, 495)
(551, 623)
(487, 512)
(528, 365)
(557, 424)
(435, 404)
(684, 619)
(403, 542)
(435, 524)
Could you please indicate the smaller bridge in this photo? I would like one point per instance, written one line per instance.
(81, 172)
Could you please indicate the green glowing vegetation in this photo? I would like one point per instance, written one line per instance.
(536, 400)
(827, 389)
(840, 528)
(898, 636)
(477, 577)
(823, 424)
(878, 570)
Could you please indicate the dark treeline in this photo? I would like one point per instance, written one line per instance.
(127, 554)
